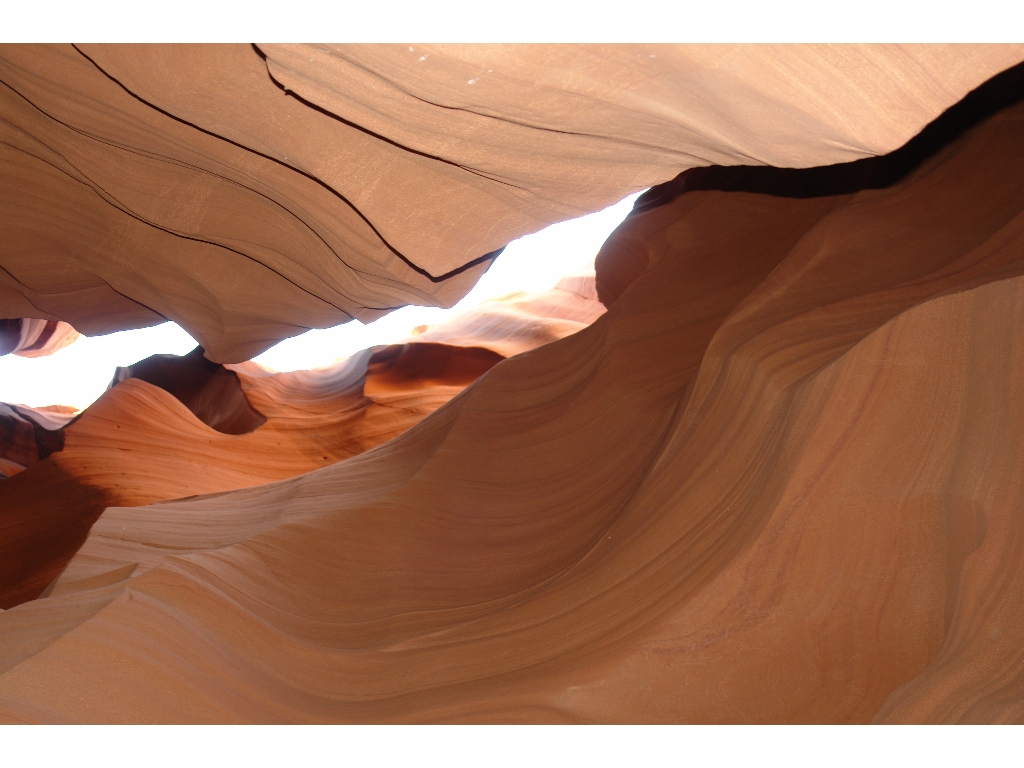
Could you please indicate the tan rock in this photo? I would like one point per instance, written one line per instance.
(251, 199)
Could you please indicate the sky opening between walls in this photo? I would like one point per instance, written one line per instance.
(79, 373)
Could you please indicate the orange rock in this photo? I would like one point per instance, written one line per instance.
(182, 426)
(777, 481)
(35, 338)
(249, 193)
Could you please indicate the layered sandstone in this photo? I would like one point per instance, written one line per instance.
(251, 192)
(174, 426)
(777, 481)
(26, 337)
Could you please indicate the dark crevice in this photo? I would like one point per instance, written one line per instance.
(412, 265)
(997, 93)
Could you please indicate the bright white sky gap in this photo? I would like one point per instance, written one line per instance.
(78, 374)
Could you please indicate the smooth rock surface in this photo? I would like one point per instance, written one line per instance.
(252, 192)
(165, 431)
(778, 481)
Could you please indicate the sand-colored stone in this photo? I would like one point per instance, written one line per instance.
(778, 481)
(177, 432)
(26, 337)
(251, 192)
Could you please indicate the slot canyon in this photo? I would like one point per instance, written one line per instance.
(763, 464)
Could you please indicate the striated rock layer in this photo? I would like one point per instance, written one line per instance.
(251, 192)
(212, 392)
(34, 338)
(778, 481)
(179, 426)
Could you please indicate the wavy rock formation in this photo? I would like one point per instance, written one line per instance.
(249, 193)
(34, 338)
(181, 426)
(777, 481)
(212, 392)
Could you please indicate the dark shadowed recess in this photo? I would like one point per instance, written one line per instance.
(1002, 91)
(10, 335)
(40, 537)
(212, 392)
(23, 441)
